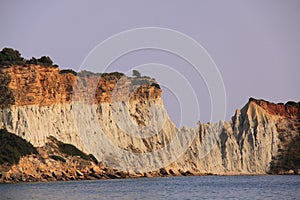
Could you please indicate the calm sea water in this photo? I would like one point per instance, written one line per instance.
(201, 187)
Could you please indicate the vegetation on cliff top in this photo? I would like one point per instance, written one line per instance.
(68, 71)
(9, 56)
(12, 147)
(136, 73)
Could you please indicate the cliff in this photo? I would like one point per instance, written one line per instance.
(122, 122)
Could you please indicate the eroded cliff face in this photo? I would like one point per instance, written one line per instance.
(248, 143)
(38, 102)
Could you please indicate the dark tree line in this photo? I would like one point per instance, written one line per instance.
(9, 56)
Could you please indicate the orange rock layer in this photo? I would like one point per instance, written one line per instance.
(290, 109)
(39, 85)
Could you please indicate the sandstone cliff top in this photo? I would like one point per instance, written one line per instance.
(30, 84)
(289, 109)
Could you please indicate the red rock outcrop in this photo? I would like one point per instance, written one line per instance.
(285, 110)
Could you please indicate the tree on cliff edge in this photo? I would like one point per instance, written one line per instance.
(45, 60)
(136, 73)
(10, 56)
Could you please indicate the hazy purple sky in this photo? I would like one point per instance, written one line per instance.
(255, 44)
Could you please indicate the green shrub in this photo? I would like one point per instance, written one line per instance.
(67, 71)
(45, 60)
(9, 56)
(136, 73)
(32, 61)
(12, 147)
(292, 103)
(85, 73)
(71, 150)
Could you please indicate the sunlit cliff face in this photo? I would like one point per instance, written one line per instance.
(38, 102)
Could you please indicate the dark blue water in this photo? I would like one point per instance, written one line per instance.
(201, 187)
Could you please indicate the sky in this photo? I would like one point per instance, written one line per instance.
(254, 44)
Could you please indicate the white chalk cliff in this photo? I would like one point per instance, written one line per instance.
(132, 131)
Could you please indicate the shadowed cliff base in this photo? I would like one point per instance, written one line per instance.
(56, 161)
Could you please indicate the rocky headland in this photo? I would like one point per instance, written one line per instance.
(44, 110)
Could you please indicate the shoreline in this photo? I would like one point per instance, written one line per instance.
(138, 176)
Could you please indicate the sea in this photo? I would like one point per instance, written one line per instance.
(186, 187)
